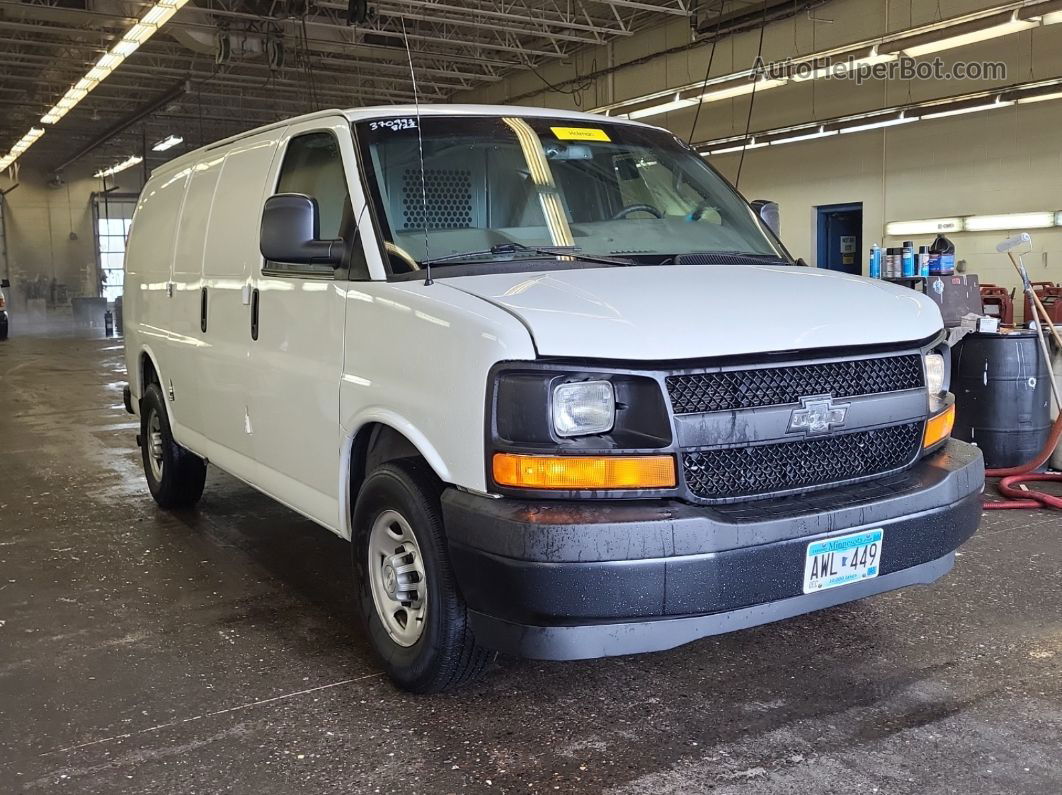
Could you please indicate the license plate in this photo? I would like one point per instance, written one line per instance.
(842, 560)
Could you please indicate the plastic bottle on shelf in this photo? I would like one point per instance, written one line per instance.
(945, 250)
(923, 261)
(875, 262)
(909, 269)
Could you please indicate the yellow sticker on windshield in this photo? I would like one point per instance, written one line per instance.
(580, 134)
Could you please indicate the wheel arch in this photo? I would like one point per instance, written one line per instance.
(148, 371)
(376, 439)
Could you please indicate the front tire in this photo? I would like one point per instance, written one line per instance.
(416, 619)
(175, 476)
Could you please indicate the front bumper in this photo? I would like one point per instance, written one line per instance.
(576, 580)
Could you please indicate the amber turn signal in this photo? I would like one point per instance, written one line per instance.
(584, 472)
(939, 427)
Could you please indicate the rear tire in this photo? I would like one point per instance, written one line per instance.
(415, 616)
(175, 476)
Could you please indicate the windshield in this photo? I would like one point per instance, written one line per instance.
(498, 188)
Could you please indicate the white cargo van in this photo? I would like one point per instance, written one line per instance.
(562, 388)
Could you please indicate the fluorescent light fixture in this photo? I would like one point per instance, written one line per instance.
(752, 144)
(1040, 98)
(928, 226)
(821, 133)
(665, 107)
(167, 143)
(20, 146)
(887, 117)
(739, 88)
(746, 87)
(843, 67)
(1014, 25)
(1001, 223)
(140, 33)
(1051, 19)
(971, 109)
(125, 48)
(143, 30)
(127, 163)
(1058, 219)
(878, 125)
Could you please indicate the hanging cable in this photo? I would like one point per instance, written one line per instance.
(707, 69)
(307, 65)
(578, 83)
(575, 92)
(752, 100)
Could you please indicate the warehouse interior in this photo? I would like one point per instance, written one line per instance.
(220, 648)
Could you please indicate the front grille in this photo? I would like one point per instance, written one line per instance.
(788, 466)
(777, 386)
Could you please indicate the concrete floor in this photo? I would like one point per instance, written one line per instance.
(217, 651)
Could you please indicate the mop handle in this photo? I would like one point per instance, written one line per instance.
(1047, 361)
(1035, 299)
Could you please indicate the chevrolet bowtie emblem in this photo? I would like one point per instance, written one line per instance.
(817, 415)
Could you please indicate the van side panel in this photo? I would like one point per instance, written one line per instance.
(225, 376)
(186, 342)
(148, 270)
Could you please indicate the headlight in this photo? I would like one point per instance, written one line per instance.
(583, 408)
(934, 373)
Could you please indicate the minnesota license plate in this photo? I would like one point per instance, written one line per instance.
(842, 560)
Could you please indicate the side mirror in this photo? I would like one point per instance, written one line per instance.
(291, 232)
(770, 214)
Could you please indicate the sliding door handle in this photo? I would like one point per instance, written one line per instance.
(254, 314)
(203, 310)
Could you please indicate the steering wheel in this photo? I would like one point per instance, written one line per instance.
(637, 208)
(402, 254)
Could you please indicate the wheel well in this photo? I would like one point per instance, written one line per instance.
(147, 373)
(373, 445)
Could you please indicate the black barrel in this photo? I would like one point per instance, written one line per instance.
(1002, 396)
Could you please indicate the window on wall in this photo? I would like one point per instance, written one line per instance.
(113, 215)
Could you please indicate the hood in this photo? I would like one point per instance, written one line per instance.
(698, 311)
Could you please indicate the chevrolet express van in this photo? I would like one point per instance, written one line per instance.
(563, 390)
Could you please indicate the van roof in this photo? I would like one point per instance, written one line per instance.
(378, 111)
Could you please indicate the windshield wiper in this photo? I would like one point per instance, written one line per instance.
(508, 249)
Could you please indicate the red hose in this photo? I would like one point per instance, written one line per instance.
(1014, 498)
(1018, 498)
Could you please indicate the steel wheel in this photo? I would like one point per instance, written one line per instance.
(397, 578)
(154, 443)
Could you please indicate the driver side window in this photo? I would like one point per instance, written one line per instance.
(313, 166)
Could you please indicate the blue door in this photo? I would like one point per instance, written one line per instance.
(840, 234)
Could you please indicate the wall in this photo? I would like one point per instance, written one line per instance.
(39, 220)
(1002, 161)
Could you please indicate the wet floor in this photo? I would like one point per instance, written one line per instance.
(217, 651)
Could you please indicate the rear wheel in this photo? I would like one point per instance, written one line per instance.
(175, 476)
(416, 619)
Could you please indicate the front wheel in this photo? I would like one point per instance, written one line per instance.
(175, 476)
(416, 619)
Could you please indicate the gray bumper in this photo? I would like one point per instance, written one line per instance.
(578, 579)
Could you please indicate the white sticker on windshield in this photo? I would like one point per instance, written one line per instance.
(393, 124)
